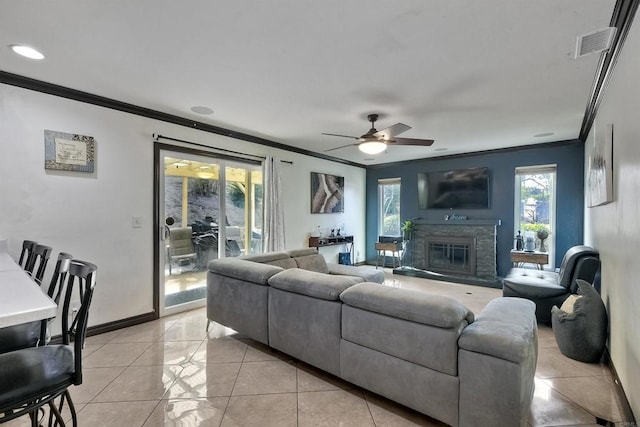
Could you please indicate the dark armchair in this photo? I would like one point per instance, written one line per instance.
(548, 288)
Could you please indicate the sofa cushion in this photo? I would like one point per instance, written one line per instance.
(280, 259)
(407, 304)
(313, 284)
(313, 262)
(533, 284)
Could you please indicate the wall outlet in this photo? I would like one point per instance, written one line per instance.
(136, 222)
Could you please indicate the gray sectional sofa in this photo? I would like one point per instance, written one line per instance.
(427, 352)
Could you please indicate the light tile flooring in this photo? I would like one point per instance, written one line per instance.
(171, 372)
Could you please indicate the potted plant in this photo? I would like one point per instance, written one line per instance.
(407, 228)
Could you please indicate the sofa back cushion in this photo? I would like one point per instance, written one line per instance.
(314, 262)
(313, 284)
(243, 270)
(279, 259)
(293, 253)
(408, 304)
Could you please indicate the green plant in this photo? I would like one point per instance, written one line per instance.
(408, 226)
(535, 227)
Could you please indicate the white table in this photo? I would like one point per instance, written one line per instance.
(7, 263)
(21, 299)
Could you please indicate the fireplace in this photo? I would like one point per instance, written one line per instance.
(455, 248)
(451, 254)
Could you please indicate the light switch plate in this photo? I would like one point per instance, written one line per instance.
(136, 222)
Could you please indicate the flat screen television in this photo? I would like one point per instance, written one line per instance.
(454, 189)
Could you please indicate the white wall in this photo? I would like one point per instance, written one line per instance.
(614, 229)
(89, 215)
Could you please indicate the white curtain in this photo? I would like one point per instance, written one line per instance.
(273, 229)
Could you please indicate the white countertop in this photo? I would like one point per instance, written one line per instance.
(7, 263)
(21, 299)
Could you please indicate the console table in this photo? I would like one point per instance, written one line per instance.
(521, 257)
(320, 242)
(383, 247)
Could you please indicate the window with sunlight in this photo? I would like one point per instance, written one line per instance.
(534, 210)
(389, 207)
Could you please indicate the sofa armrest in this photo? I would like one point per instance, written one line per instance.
(506, 329)
(497, 363)
(240, 269)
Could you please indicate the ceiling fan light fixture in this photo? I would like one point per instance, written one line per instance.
(372, 147)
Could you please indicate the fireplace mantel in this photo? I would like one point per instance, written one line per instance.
(459, 222)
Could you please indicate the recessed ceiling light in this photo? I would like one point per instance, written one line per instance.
(199, 109)
(26, 51)
(542, 135)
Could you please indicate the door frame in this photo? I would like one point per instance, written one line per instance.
(158, 222)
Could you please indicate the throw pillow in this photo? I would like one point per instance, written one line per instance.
(569, 304)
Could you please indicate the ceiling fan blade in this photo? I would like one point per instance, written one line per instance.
(392, 131)
(343, 136)
(342, 146)
(411, 141)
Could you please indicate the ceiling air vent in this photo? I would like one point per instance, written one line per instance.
(596, 41)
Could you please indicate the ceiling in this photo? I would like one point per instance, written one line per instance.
(472, 74)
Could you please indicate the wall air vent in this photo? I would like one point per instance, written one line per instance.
(596, 41)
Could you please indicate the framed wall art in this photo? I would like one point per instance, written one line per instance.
(600, 170)
(69, 152)
(327, 193)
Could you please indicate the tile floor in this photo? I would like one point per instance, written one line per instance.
(171, 372)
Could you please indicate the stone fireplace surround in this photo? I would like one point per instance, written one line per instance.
(480, 233)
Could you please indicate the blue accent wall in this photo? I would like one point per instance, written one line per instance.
(568, 156)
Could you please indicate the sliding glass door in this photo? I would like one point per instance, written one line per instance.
(208, 208)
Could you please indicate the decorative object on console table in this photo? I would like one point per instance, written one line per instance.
(327, 193)
(542, 235)
(529, 242)
(519, 241)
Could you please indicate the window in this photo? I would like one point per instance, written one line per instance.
(389, 207)
(534, 210)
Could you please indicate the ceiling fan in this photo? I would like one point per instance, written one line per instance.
(376, 141)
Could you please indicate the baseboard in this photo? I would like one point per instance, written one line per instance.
(122, 323)
(626, 411)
